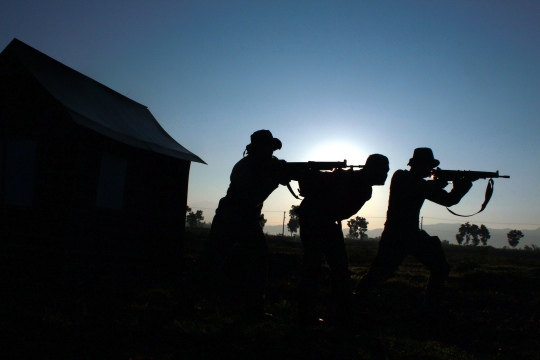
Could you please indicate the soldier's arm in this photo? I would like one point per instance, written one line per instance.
(250, 191)
(435, 193)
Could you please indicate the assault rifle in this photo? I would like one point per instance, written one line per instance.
(298, 170)
(295, 170)
(451, 175)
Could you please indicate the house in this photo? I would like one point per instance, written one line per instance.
(87, 175)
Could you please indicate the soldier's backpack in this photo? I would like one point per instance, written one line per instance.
(334, 193)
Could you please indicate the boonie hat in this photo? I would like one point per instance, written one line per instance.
(262, 138)
(423, 156)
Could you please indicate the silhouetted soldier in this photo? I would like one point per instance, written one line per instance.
(237, 222)
(329, 198)
(402, 235)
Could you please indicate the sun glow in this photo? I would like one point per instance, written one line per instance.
(339, 151)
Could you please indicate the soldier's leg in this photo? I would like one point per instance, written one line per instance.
(389, 257)
(310, 268)
(252, 276)
(220, 241)
(217, 249)
(335, 254)
(431, 254)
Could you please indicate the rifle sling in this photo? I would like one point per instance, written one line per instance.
(489, 192)
(292, 191)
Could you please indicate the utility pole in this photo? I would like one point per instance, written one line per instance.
(283, 230)
(421, 222)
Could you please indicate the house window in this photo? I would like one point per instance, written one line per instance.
(112, 177)
(18, 160)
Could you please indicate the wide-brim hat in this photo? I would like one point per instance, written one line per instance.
(264, 138)
(423, 156)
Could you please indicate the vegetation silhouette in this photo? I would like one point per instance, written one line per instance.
(293, 224)
(194, 219)
(492, 312)
(513, 237)
(357, 228)
(472, 233)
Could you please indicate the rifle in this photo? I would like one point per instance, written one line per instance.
(297, 170)
(451, 175)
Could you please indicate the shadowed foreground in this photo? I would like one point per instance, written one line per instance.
(492, 311)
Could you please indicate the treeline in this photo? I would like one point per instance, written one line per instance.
(194, 219)
(467, 234)
(472, 234)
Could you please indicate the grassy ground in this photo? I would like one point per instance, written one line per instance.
(492, 311)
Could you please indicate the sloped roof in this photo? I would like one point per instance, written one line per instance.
(97, 107)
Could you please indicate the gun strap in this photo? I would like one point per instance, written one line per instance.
(292, 191)
(489, 192)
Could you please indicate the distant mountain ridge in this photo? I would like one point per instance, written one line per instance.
(445, 231)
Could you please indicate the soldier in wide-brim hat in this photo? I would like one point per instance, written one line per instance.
(402, 236)
(237, 224)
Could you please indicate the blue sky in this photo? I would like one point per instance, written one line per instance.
(333, 80)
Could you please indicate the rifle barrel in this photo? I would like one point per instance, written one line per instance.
(451, 174)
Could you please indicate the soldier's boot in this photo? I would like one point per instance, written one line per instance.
(435, 290)
(308, 294)
(345, 309)
(360, 298)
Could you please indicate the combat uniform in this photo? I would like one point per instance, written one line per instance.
(331, 198)
(236, 224)
(402, 235)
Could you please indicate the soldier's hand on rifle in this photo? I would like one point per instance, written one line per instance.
(283, 180)
(281, 174)
(441, 183)
(463, 183)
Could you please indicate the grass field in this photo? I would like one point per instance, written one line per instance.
(492, 311)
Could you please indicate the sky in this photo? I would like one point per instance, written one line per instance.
(333, 80)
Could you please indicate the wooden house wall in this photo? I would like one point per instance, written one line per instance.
(146, 233)
(27, 112)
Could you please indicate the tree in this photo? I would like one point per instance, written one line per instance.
(513, 237)
(471, 233)
(262, 220)
(357, 227)
(195, 219)
(293, 223)
(188, 209)
(484, 234)
(459, 239)
(464, 234)
(531, 248)
(475, 233)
